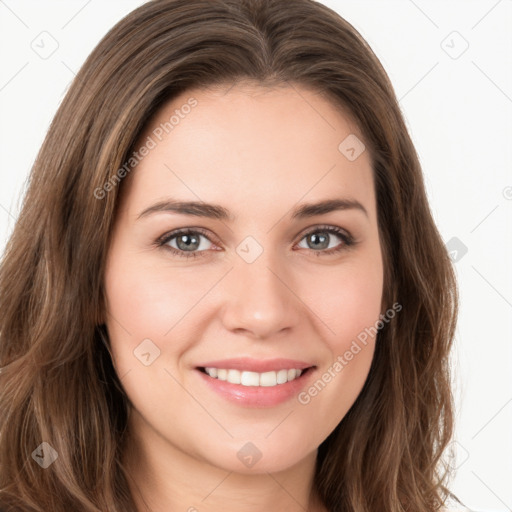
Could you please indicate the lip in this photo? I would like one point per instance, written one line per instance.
(256, 365)
(257, 396)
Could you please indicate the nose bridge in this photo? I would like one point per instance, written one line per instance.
(260, 300)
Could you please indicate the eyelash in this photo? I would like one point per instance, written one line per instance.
(348, 241)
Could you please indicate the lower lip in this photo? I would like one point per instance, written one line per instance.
(257, 396)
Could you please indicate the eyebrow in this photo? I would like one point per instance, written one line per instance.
(215, 211)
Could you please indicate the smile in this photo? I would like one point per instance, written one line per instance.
(247, 378)
(258, 383)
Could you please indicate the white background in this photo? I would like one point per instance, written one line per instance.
(458, 107)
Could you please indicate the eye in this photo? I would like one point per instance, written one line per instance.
(320, 240)
(186, 243)
(190, 243)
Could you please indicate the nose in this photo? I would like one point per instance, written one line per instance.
(261, 301)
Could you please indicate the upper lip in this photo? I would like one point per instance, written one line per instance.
(256, 365)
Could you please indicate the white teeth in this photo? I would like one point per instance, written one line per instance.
(250, 379)
(282, 376)
(233, 376)
(265, 379)
(268, 379)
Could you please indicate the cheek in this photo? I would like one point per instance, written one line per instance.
(141, 305)
(346, 300)
(147, 311)
(349, 308)
(148, 300)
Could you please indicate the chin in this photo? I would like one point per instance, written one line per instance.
(258, 456)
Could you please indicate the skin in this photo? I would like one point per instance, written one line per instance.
(259, 153)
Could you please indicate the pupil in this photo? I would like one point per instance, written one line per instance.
(188, 241)
(322, 239)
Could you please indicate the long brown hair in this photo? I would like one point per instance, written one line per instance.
(58, 384)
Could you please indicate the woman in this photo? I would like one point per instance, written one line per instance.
(225, 288)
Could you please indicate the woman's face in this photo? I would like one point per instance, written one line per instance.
(258, 286)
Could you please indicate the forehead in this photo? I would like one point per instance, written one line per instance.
(256, 144)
